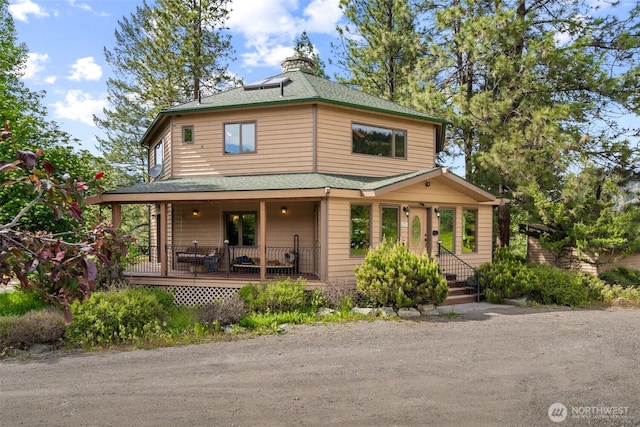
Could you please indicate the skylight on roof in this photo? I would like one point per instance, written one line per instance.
(268, 83)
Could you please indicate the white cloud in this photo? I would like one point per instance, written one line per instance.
(85, 69)
(82, 6)
(21, 9)
(50, 79)
(35, 64)
(270, 26)
(79, 106)
(323, 16)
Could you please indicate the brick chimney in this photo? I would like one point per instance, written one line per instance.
(298, 63)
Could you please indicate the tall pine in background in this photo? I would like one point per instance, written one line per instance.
(165, 54)
(379, 46)
(534, 91)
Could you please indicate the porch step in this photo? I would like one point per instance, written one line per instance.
(459, 299)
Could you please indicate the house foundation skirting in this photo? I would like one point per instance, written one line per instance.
(201, 293)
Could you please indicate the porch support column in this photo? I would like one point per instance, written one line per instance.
(263, 240)
(162, 240)
(116, 215)
(324, 236)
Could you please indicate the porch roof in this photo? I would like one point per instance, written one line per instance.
(286, 185)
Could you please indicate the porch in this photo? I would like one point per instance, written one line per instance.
(225, 262)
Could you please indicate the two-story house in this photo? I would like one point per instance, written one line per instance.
(295, 175)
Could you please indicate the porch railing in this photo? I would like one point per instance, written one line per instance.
(227, 261)
(456, 269)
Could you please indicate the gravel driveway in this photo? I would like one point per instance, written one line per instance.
(496, 366)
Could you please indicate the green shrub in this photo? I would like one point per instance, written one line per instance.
(18, 303)
(623, 276)
(277, 297)
(222, 312)
(393, 275)
(507, 277)
(117, 317)
(564, 287)
(610, 293)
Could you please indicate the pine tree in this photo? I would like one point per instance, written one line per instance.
(380, 47)
(305, 48)
(165, 54)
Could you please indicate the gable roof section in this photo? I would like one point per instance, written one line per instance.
(367, 186)
(300, 87)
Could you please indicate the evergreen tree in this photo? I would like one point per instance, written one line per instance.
(380, 47)
(165, 54)
(304, 48)
(533, 90)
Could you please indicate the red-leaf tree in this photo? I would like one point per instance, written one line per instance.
(62, 267)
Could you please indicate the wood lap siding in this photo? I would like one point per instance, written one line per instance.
(340, 262)
(283, 143)
(335, 144)
(208, 229)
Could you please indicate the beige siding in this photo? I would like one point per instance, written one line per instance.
(283, 142)
(341, 263)
(630, 261)
(208, 227)
(334, 143)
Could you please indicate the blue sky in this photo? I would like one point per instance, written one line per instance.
(66, 41)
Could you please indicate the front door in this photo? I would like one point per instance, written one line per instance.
(420, 230)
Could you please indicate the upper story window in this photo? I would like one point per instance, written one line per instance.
(378, 141)
(158, 153)
(240, 137)
(187, 134)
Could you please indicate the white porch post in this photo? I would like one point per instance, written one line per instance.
(162, 240)
(263, 240)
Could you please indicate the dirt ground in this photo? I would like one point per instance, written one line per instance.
(498, 366)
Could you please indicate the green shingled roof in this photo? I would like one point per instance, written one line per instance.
(292, 181)
(302, 87)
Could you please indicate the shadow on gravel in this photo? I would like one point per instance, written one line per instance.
(486, 311)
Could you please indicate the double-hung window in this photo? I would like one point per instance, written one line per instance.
(240, 137)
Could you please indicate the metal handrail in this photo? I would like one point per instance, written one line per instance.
(453, 265)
